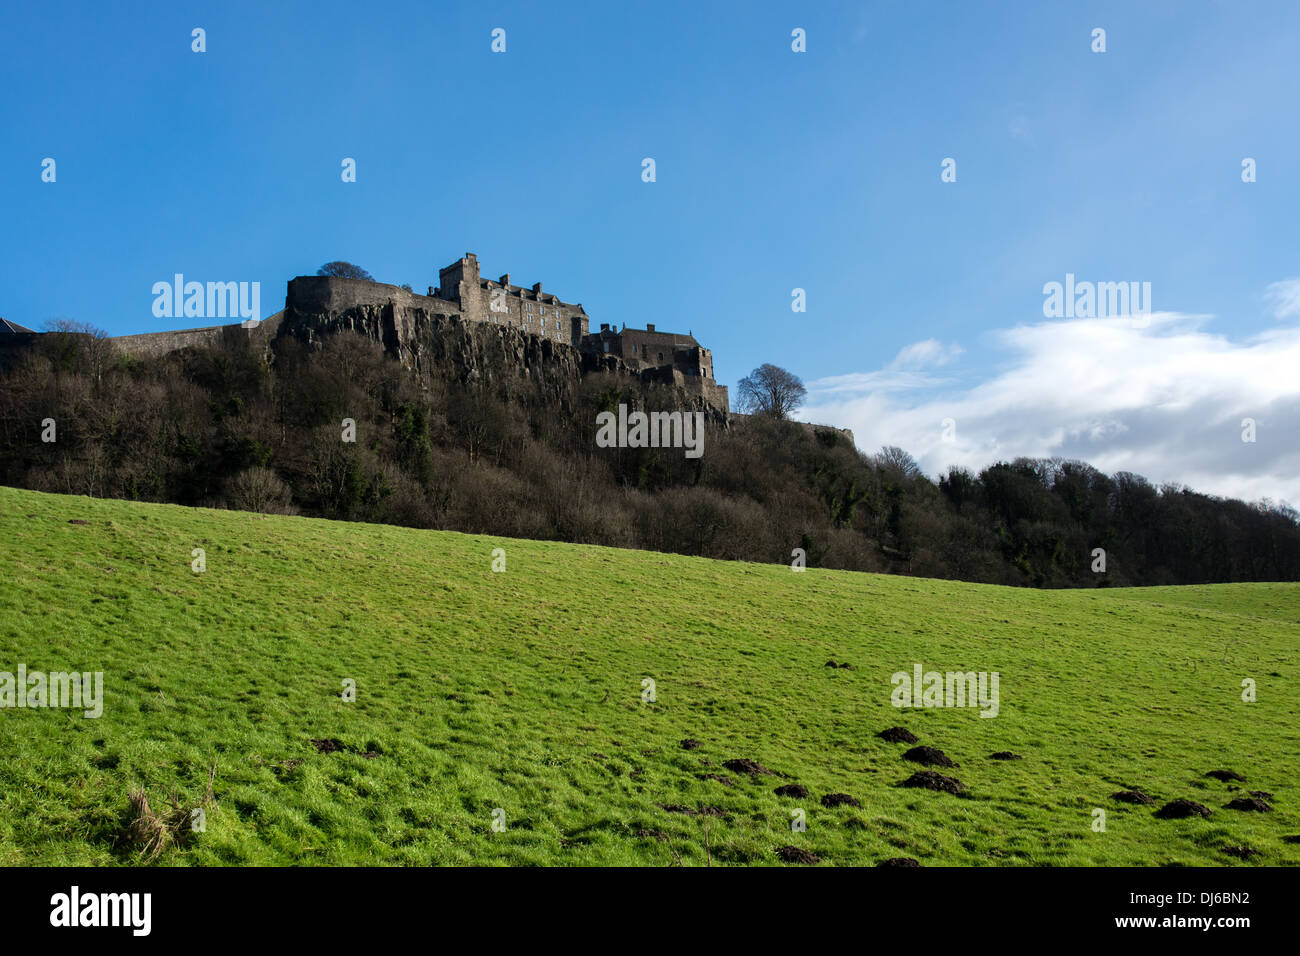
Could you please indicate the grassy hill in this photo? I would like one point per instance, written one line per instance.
(522, 690)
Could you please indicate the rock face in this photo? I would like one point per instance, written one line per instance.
(425, 333)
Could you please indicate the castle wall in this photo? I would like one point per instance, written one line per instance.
(154, 344)
(321, 305)
(709, 391)
(401, 320)
(696, 361)
(535, 312)
(648, 349)
(531, 310)
(335, 294)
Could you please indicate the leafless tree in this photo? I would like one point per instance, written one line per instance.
(79, 345)
(771, 390)
(895, 458)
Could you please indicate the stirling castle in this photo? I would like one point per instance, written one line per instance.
(541, 327)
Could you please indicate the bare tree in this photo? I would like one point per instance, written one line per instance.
(894, 458)
(79, 345)
(260, 489)
(344, 270)
(771, 390)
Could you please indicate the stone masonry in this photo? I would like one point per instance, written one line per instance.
(397, 317)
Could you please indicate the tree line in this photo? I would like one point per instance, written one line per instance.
(494, 451)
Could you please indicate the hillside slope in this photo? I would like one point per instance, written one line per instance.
(522, 691)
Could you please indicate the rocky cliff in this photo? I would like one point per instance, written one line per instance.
(429, 337)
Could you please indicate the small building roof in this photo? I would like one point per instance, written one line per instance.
(547, 298)
(661, 339)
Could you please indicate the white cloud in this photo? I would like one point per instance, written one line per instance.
(1162, 397)
(1284, 298)
(902, 374)
(927, 352)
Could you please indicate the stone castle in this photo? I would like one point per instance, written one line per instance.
(537, 329)
(395, 316)
(462, 291)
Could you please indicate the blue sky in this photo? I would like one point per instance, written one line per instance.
(775, 170)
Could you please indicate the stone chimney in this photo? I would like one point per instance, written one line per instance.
(505, 279)
(649, 327)
(604, 326)
(537, 288)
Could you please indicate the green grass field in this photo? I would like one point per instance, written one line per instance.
(522, 690)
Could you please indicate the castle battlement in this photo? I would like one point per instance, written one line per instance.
(317, 305)
(502, 303)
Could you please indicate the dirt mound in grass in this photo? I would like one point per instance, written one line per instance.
(929, 780)
(745, 765)
(1225, 775)
(1261, 794)
(791, 790)
(901, 862)
(1180, 809)
(1241, 852)
(332, 745)
(1249, 803)
(839, 800)
(1132, 796)
(719, 777)
(929, 756)
(898, 735)
(690, 743)
(841, 664)
(1292, 838)
(1005, 755)
(794, 854)
(652, 835)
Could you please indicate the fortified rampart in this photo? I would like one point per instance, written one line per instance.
(544, 328)
(398, 317)
(154, 344)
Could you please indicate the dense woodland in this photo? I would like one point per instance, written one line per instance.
(503, 453)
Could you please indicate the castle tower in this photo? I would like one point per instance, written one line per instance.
(459, 282)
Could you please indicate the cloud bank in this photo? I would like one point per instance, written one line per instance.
(1158, 395)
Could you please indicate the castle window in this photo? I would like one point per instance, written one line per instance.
(661, 356)
(607, 345)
